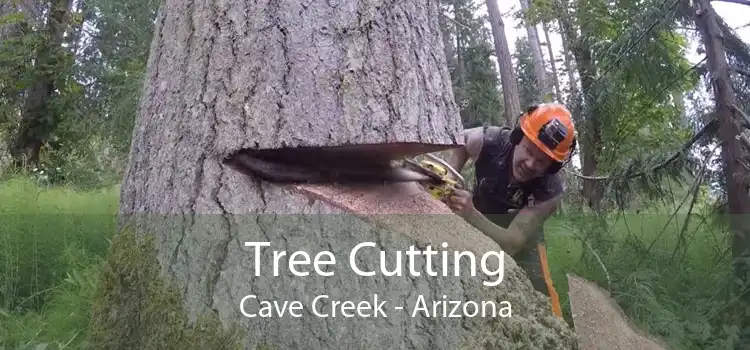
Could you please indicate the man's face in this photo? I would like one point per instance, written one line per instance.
(529, 161)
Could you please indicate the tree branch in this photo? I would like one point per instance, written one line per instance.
(744, 72)
(453, 20)
(741, 2)
(744, 116)
(708, 128)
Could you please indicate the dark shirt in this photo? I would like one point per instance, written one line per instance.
(494, 195)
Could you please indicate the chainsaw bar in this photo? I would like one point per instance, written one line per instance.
(435, 178)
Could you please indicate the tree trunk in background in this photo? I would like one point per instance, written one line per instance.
(589, 131)
(293, 75)
(574, 96)
(511, 97)
(460, 72)
(447, 42)
(536, 54)
(738, 200)
(38, 119)
(679, 103)
(569, 67)
(553, 64)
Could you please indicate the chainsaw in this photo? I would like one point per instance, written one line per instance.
(326, 166)
(444, 179)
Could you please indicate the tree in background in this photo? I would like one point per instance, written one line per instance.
(502, 54)
(530, 91)
(469, 54)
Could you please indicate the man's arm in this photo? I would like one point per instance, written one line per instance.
(530, 220)
(524, 225)
(473, 139)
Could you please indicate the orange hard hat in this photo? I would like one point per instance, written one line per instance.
(550, 127)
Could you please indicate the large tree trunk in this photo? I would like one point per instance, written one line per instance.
(511, 97)
(294, 74)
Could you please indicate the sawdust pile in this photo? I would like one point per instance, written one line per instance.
(599, 321)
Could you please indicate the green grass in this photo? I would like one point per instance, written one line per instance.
(53, 240)
(675, 294)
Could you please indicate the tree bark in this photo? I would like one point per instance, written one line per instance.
(293, 74)
(738, 200)
(508, 80)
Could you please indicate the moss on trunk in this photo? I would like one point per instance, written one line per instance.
(136, 308)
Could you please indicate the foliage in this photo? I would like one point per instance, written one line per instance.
(636, 66)
(475, 78)
(97, 73)
(116, 62)
(528, 87)
(52, 242)
(482, 104)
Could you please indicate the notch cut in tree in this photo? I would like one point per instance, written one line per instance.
(230, 78)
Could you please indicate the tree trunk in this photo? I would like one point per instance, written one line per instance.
(508, 80)
(536, 54)
(553, 64)
(738, 200)
(679, 103)
(460, 44)
(447, 42)
(569, 68)
(38, 116)
(590, 138)
(180, 272)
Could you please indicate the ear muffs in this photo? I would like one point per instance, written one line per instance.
(557, 166)
(516, 135)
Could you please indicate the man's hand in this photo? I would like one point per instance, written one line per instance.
(460, 202)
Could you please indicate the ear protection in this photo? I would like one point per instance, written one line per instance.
(516, 135)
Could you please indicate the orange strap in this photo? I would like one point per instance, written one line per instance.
(554, 299)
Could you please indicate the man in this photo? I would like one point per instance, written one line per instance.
(511, 166)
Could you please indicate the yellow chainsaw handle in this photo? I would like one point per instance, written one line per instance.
(453, 172)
